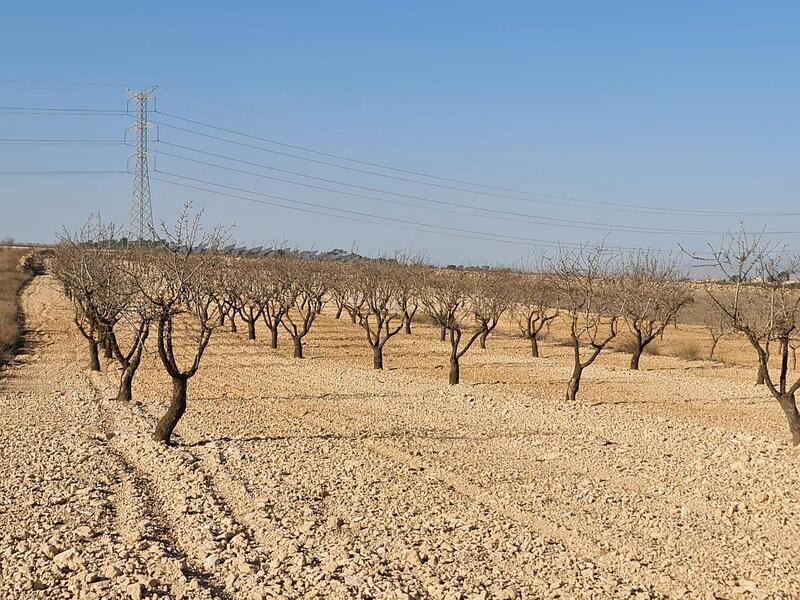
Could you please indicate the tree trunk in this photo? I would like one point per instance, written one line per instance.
(789, 407)
(482, 340)
(534, 347)
(94, 356)
(251, 330)
(125, 393)
(298, 347)
(714, 342)
(339, 311)
(274, 337)
(221, 319)
(234, 329)
(443, 334)
(377, 357)
(637, 354)
(760, 375)
(108, 348)
(353, 317)
(574, 384)
(408, 326)
(455, 371)
(177, 407)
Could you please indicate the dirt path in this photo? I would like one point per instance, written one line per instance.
(321, 478)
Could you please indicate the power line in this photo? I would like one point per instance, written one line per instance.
(61, 110)
(355, 218)
(540, 197)
(332, 155)
(492, 168)
(59, 141)
(60, 83)
(62, 172)
(503, 215)
(332, 215)
(368, 172)
(360, 214)
(348, 212)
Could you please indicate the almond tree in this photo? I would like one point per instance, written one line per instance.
(717, 331)
(179, 283)
(376, 287)
(448, 301)
(138, 317)
(764, 306)
(276, 299)
(587, 285)
(408, 287)
(338, 294)
(407, 297)
(306, 291)
(490, 298)
(128, 315)
(250, 291)
(535, 305)
(654, 293)
(82, 267)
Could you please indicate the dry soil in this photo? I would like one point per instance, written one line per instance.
(322, 478)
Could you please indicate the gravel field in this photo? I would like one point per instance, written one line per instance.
(321, 478)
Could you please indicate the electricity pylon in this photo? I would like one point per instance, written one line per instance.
(141, 218)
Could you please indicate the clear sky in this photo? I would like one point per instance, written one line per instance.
(578, 111)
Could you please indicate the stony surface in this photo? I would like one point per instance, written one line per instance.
(321, 478)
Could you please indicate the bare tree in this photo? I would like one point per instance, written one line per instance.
(306, 291)
(490, 299)
(81, 263)
(717, 331)
(95, 268)
(763, 305)
(588, 287)
(408, 290)
(179, 283)
(377, 286)
(654, 293)
(535, 305)
(276, 300)
(447, 300)
(250, 292)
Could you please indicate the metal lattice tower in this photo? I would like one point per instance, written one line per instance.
(141, 218)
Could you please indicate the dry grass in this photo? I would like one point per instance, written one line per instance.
(12, 278)
(689, 351)
(627, 345)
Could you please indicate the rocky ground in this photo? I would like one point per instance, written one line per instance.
(321, 478)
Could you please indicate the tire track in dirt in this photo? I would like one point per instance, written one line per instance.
(220, 553)
(651, 581)
(754, 543)
(148, 527)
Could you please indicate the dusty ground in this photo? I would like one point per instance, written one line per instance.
(321, 478)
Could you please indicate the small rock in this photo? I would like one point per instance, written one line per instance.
(111, 572)
(335, 522)
(83, 532)
(135, 591)
(62, 558)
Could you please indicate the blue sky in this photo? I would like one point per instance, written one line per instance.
(573, 105)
